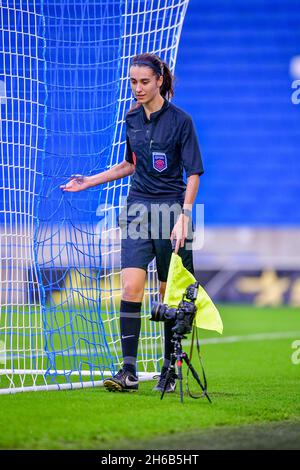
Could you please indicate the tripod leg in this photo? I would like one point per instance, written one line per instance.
(179, 371)
(195, 375)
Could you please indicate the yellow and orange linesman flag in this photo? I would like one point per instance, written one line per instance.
(179, 278)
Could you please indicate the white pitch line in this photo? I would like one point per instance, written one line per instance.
(187, 342)
(254, 337)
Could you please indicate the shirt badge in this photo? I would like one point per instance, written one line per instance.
(159, 161)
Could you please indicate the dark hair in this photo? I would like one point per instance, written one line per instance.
(160, 68)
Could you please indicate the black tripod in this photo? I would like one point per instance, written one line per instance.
(178, 356)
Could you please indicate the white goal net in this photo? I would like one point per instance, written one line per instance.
(64, 94)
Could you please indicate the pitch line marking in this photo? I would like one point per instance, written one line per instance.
(226, 339)
(252, 337)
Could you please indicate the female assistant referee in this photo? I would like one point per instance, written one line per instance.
(161, 142)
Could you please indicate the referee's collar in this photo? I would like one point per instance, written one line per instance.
(156, 114)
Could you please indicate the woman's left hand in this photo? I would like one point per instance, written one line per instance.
(180, 231)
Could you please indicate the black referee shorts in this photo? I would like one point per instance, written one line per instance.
(145, 229)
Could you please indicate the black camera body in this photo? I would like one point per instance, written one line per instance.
(183, 315)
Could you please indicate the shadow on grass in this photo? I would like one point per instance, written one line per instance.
(278, 435)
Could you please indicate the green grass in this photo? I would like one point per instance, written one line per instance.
(250, 382)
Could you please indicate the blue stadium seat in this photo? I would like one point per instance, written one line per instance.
(233, 77)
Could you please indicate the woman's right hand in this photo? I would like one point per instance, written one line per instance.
(76, 183)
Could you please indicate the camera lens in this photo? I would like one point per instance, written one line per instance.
(155, 311)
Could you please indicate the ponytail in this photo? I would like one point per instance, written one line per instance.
(167, 88)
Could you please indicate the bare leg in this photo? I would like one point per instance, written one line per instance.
(133, 284)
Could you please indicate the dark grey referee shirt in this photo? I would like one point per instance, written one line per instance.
(161, 148)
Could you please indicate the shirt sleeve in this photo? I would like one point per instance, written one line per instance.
(128, 155)
(190, 151)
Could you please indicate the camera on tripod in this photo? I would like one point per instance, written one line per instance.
(183, 315)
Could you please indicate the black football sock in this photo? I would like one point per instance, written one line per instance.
(130, 325)
(169, 346)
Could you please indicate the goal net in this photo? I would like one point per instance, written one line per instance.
(64, 94)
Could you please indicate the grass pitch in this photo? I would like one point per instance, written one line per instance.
(252, 381)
